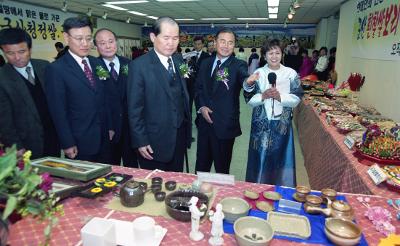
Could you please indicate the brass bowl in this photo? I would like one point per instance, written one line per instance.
(301, 193)
(312, 201)
(342, 232)
(328, 193)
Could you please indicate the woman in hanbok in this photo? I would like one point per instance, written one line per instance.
(272, 91)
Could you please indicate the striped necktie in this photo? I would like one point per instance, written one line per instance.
(88, 73)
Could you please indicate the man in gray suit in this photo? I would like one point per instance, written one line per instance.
(158, 102)
(24, 115)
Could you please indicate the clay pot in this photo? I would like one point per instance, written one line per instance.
(131, 194)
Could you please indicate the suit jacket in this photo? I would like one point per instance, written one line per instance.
(222, 101)
(79, 112)
(152, 108)
(20, 121)
(195, 64)
(117, 98)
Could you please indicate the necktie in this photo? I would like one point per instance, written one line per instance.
(170, 68)
(197, 56)
(214, 74)
(88, 73)
(31, 79)
(114, 73)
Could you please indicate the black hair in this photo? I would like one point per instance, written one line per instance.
(77, 22)
(15, 36)
(315, 51)
(253, 50)
(187, 50)
(197, 38)
(225, 30)
(332, 50)
(164, 19)
(59, 45)
(324, 48)
(274, 43)
(241, 49)
(304, 51)
(103, 29)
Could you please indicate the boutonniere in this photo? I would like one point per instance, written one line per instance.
(222, 75)
(102, 73)
(125, 69)
(184, 70)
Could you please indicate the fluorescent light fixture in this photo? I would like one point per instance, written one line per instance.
(273, 3)
(272, 10)
(113, 7)
(184, 19)
(152, 17)
(164, 1)
(137, 13)
(256, 18)
(273, 16)
(215, 18)
(127, 2)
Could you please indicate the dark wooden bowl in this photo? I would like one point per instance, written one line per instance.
(177, 203)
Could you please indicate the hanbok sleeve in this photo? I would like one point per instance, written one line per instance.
(296, 92)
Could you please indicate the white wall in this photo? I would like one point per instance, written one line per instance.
(327, 33)
(381, 88)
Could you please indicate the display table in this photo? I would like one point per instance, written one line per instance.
(328, 161)
(79, 210)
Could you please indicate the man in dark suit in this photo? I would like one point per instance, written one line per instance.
(76, 95)
(24, 116)
(106, 42)
(158, 101)
(194, 64)
(218, 86)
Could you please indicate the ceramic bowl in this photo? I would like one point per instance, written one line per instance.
(177, 203)
(342, 232)
(328, 193)
(252, 231)
(301, 193)
(156, 180)
(234, 208)
(156, 188)
(312, 201)
(170, 185)
(159, 196)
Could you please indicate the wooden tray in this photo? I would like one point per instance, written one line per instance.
(71, 169)
(289, 225)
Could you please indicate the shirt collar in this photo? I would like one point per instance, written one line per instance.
(77, 58)
(115, 61)
(22, 70)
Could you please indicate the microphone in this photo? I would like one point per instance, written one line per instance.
(272, 82)
(272, 79)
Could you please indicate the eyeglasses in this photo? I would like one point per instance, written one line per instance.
(81, 39)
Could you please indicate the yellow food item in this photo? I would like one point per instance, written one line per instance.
(110, 184)
(100, 180)
(96, 190)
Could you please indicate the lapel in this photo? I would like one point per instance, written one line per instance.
(161, 73)
(77, 71)
(123, 62)
(177, 63)
(20, 87)
(216, 83)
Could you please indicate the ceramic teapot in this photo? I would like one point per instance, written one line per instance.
(131, 194)
(335, 209)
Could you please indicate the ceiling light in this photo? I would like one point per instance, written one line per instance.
(296, 4)
(273, 16)
(290, 16)
(256, 18)
(145, 24)
(137, 13)
(113, 7)
(128, 20)
(273, 3)
(152, 17)
(292, 10)
(105, 15)
(127, 2)
(163, 1)
(215, 18)
(212, 25)
(273, 10)
(89, 12)
(247, 25)
(184, 19)
(64, 7)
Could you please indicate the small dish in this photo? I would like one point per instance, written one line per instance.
(295, 197)
(170, 185)
(264, 206)
(156, 180)
(156, 188)
(159, 196)
(272, 195)
(251, 194)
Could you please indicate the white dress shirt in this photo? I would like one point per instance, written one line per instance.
(164, 60)
(117, 65)
(22, 70)
(79, 60)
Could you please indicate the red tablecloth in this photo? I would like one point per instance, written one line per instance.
(328, 161)
(79, 210)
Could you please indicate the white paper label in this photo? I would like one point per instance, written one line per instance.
(218, 178)
(377, 174)
(349, 142)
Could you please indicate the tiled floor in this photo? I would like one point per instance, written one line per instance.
(239, 158)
